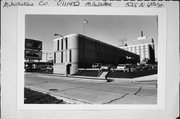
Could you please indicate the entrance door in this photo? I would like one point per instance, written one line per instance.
(68, 68)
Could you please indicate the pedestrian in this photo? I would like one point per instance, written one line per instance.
(108, 80)
(106, 76)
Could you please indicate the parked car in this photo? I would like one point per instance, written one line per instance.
(144, 67)
(30, 67)
(124, 67)
(154, 67)
(106, 67)
(97, 65)
(46, 68)
(138, 68)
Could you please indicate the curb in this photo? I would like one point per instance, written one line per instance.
(102, 79)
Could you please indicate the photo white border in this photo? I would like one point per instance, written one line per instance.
(160, 12)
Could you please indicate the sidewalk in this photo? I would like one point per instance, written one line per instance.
(140, 79)
(143, 78)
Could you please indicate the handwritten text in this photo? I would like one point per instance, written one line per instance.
(98, 4)
(66, 4)
(75, 3)
(144, 4)
(13, 4)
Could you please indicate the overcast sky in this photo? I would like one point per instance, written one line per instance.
(109, 29)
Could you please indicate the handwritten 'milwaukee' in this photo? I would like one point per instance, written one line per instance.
(98, 4)
(13, 4)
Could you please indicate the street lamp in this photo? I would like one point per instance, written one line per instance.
(66, 52)
(85, 22)
(56, 34)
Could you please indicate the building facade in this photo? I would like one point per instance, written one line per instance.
(47, 57)
(78, 51)
(143, 46)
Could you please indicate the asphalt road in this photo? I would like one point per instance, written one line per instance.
(93, 91)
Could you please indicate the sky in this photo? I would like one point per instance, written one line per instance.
(107, 28)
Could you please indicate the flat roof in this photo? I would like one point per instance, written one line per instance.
(72, 35)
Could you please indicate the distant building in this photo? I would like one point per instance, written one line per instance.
(143, 46)
(78, 51)
(47, 57)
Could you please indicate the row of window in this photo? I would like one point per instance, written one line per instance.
(133, 48)
(144, 56)
(61, 57)
(62, 45)
(142, 50)
(138, 51)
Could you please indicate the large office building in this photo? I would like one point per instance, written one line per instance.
(143, 46)
(76, 51)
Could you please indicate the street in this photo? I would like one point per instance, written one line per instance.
(77, 90)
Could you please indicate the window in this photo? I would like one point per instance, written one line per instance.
(137, 47)
(61, 44)
(61, 57)
(54, 57)
(70, 54)
(57, 45)
(146, 46)
(133, 49)
(66, 41)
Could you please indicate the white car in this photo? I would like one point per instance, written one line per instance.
(123, 67)
(105, 67)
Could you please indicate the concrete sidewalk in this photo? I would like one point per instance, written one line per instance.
(143, 78)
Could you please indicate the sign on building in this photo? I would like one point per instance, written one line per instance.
(33, 55)
(33, 49)
(33, 44)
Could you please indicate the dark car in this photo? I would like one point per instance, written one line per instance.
(46, 68)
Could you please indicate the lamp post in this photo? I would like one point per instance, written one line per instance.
(66, 54)
(85, 22)
(58, 35)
